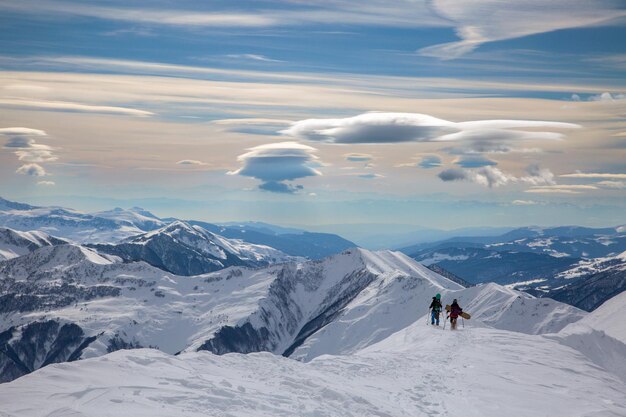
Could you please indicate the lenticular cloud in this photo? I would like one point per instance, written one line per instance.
(276, 163)
(379, 127)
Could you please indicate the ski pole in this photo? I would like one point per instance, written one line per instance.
(463, 321)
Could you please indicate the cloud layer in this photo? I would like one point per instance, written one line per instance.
(481, 21)
(489, 176)
(379, 127)
(274, 164)
(22, 142)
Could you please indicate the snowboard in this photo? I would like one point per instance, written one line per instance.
(465, 315)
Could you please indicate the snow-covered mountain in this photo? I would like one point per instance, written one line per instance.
(565, 241)
(589, 283)
(418, 371)
(64, 223)
(184, 249)
(14, 243)
(113, 226)
(293, 242)
(479, 265)
(136, 216)
(66, 302)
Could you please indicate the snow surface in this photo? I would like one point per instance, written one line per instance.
(610, 318)
(419, 371)
(14, 243)
(517, 356)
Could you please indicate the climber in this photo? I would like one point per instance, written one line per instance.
(435, 309)
(455, 312)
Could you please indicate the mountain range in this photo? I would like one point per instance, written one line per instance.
(122, 225)
(581, 266)
(345, 335)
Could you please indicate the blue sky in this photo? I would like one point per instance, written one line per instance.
(437, 113)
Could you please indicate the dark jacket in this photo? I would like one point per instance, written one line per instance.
(435, 305)
(455, 310)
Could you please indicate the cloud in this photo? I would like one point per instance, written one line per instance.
(36, 153)
(21, 141)
(430, 161)
(561, 189)
(538, 176)
(482, 21)
(280, 187)
(253, 57)
(72, 107)
(279, 14)
(370, 176)
(615, 185)
(593, 175)
(474, 161)
(608, 97)
(524, 203)
(34, 170)
(426, 161)
(190, 162)
(358, 157)
(46, 183)
(370, 128)
(275, 163)
(453, 174)
(489, 176)
(21, 131)
(380, 127)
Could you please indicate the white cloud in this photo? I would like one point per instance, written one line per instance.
(486, 176)
(561, 189)
(551, 191)
(276, 163)
(190, 162)
(430, 161)
(46, 183)
(474, 161)
(372, 12)
(608, 97)
(36, 153)
(358, 157)
(615, 185)
(34, 170)
(481, 21)
(21, 131)
(72, 107)
(593, 175)
(22, 143)
(538, 176)
(253, 57)
(489, 176)
(370, 176)
(524, 203)
(380, 127)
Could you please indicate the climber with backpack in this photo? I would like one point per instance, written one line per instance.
(435, 309)
(455, 312)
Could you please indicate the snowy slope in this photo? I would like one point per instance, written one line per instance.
(64, 223)
(184, 249)
(135, 216)
(337, 305)
(416, 372)
(14, 243)
(609, 318)
(397, 298)
(591, 283)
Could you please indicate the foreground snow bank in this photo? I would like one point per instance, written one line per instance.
(419, 371)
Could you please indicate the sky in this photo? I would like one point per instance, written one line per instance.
(439, 113)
